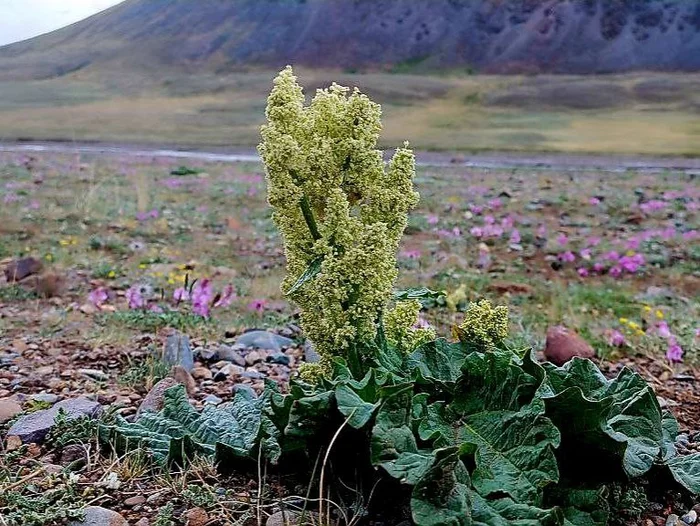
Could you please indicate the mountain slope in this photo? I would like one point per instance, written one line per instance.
(563, 36)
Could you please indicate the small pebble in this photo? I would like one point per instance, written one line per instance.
(690, 518)
(673, 520)
(47, 398)
(135, 501)
(212, 399)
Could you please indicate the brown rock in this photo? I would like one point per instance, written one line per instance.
(135, 501)
(564, 344)
(181, 376)
(13, 443)
(21, 268)
(196, 517)
(291, 518)
(143, 522)
(8, 410)
(504, 287)
(202, 373)
(154, 398)
(73, 453)
(48, 285)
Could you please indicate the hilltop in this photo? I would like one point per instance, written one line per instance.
(489, 36)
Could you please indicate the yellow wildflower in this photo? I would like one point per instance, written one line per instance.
(633, 325)
(111, 274)
(483, 324)
(647, 308)
(659, 314)
(624, 321)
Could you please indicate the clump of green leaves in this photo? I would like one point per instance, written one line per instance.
(68, 431)
(144, 373)
(39, 507)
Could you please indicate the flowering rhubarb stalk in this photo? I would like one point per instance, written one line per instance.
(340, 210)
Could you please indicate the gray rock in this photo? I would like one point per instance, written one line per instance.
(310, 354)
(283, 518)
(208, 354)
(232, 370)
(96, 516)
(35, 426)
(177, 351)
(212, 399)
(232, 353)
(278, 358)
(253, 374)
(673, 520)
(246, 390)
(690, 518)
(264, 340)
(95, 374)
(47, 398)
(8, 410)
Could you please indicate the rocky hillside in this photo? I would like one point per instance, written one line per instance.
(563, 36)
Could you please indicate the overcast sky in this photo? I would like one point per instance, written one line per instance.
(22, 19)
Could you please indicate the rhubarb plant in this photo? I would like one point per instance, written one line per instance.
(480, 433)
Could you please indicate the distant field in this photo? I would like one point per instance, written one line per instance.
(655, 114)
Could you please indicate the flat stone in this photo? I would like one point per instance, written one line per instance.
(196, 517)
(673, 520)
(97, 516)
(8, 410)
(177, 351)
(135, 501)
(253, 357)
(279, 358)
(264, 340)
(231, 370)
(183, 377)
(245, 390)
(46, 398)
(35, 426)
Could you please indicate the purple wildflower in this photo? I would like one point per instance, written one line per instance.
(227, 297)
(583, 272)
(567, 257)
(562, 239)
(257, 305)
(616, 338)
(181, 294)
(515, 237)
(663, 330)
(616, 271)
(674, 352)
(202, 294)
(594, 201)
(586, 254)
(135, 298)
(98, 297)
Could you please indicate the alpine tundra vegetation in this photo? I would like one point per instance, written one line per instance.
(467, 432)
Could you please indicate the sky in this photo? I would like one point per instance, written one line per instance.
(22, 19)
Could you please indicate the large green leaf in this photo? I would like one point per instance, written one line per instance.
(310, 273)
(426, 296)
(176, 433)
(512, 441)
(621, 416)
(506, 512)
(686, 470)
(441, 496)
(394, 446)
(438, 361)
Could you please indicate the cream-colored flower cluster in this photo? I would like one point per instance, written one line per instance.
(400, 326)
(337, 207)
(483, 324)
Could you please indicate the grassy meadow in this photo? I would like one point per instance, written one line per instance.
(641, 113)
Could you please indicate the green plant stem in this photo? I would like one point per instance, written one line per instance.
(309, 218)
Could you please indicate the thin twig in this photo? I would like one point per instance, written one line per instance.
(323, 466)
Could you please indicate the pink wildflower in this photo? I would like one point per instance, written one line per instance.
(593, 241)
(515, 237)
(477, 232)
(594, 201)
(181, 294)
(202, 294)
(567, 257)
(616, 271)
(562, 239)
(583, 272)
(586, 254)
(663, 330)
(411, 254)
(542, 231)
(227, 297)
(616, 338)
(257, 305)
(134, 298)
(674, 352)
(98, 297)
(433, 219)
